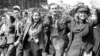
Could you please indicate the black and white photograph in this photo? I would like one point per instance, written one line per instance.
(49, 28)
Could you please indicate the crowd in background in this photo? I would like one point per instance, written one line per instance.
(74, 31)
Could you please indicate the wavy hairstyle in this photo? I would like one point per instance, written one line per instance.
(32, 20)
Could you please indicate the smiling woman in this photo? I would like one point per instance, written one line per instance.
(36, 16)
(33, 36)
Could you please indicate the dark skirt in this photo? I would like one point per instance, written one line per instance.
(33, 48)
(96, 48)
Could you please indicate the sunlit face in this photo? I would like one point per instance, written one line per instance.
(54, 9)
(16, 12)
(82, 15)
(36, 16)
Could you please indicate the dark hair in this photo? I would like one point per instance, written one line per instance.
(16, 9)
(26, 12)
(53, 4)
(12, 19)
(36, 12)
(33, 14)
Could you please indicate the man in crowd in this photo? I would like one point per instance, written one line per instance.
(18, 17)
(57, 30)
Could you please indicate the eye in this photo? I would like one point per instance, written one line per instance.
(54, 8)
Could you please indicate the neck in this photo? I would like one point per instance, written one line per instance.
(36, 22)
(81, 21)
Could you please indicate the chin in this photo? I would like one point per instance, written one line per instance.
(82, 19)
(54, 13)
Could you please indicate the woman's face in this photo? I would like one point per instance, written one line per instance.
(36, 16)
(82, 15)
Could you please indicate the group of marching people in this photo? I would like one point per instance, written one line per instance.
(76, 33)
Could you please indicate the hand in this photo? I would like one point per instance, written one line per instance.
(16, 43)
(93, 11)
(92, 18)
(35, 34)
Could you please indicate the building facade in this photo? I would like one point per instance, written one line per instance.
(24, 4)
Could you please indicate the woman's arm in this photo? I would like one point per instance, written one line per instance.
(84, 32)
